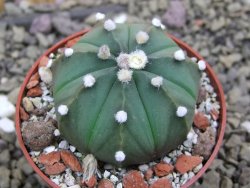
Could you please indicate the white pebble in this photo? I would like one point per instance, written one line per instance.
(7, 125)
(49, 149)
(45, 74)
(75, 186)
(104, 52)
(179, 55)
(50, 63)
(194, 59)
(202, 65)
(63, 144)
(143, 167)
(166, 160)
(7, 109)
(246, 125)
(63, 110)
(121, 116)
(157, 81)
(119, 185)
(124, 75)
(109, 25)
(181, 111)
(156, 22)
(72, 148)
(197, 168)
(106, 174)
(120, 156)
(88, 80)
(99, 16)
(57, 132)
(68, 52)
(114, 179)
(141, 37)
(138, 59)
(69, 179)
(108, 166)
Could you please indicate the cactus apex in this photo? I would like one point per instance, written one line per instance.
(202, 65)
(63, 110)
(138, 59)
(121, 116)
(109, 25)
(68, 52)
(88, 80)
(124, 75)
(104, 52)
(181, 111)
(123, 61)
(157, 81)
(142, 37)
(120, 156)
(179, 55)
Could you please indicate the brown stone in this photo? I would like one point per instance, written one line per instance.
(163, 169)
(50, 158)
(35, 92)
(43, 61)
(214, 114)
(38, 135)
(134, 179)
(32, 84)
(161, 183)
(55, 169)
(202, 95)
(201, 121)
(35, 77)
(105, 183)
(91, 182)
(185, 163)
(24, 115)
(148, 174)
(71, 161)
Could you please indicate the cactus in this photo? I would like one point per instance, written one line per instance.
(125, 93)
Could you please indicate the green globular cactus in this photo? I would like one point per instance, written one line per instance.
(125, 93)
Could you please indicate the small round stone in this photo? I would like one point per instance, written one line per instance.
(202, 65)
(120, 156)
(109, 25)
(181, 111)
(68, 52)
(121, 116)
(179, 55)
(157, 81)
(63, 110)
(88, 80)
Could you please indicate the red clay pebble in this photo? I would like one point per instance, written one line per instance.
(50, 158)
(71, 161)
(148, 174)
(35, 92)
(134, 179)
(161, 183)
(72, 42)
(35, 77)
(201, 121)
(32, 84)
(163, 169)
(105, 183)
(24, 115)
(91, 182)
(215, 114)
(55, 169)
(185, 163)
(44, 61)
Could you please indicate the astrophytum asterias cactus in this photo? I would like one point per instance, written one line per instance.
(125, 93)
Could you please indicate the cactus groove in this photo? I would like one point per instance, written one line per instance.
(146, 126)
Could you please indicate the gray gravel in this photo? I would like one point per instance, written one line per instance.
(219, 30)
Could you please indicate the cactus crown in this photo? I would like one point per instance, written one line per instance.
(130, 93)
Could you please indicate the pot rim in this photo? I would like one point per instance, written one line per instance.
(214, 80)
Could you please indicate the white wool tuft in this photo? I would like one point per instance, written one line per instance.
(99, 16)
(179, 55)
(120, 156)
(157, 81)
(138, 59)
(194, 59)
(156, 22)
(88, 80)
(104, 52)
(181, 111)
(68, 52)
(141, 37)
(120, 19)
(121, 116)
(202, 65)
(63, 110)
(124, 75)
(109, 25)
(123, 61)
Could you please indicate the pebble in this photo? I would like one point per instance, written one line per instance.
(49, 149)
(63, 144)
(41, 24)
(7, 109)
(186, 163)
(201, 121)
(106, 174)
(27, 104)
(7, 125)
(4, 177)
(246, 125)
(71, 161)
(143, 168)
(161, 182)
(69, 179)
(55, 169)
(162, 169)
(45, 75)
(104, 183)
(134, 179)
(49, 158)
(113, 179)
(119, 185)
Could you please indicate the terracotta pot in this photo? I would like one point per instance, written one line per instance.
(214, 80)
